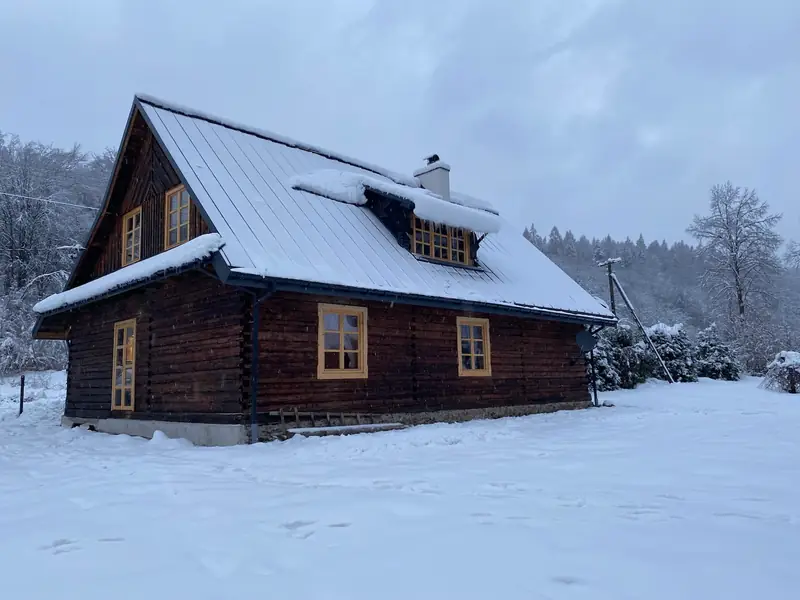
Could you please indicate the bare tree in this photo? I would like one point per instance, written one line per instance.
(740, 246)
(792, 256)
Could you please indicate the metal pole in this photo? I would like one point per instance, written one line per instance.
(594, 378)
(254, 372)
(21, 391)
(641, 327)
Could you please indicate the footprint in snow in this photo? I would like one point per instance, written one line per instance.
(568, 580)
(61, 546)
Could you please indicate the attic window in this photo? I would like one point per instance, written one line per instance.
(440, 242)
(176, 221)
(132, 236)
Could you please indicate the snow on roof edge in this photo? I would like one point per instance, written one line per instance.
(349, 187)
(192, 251)
(280, 139)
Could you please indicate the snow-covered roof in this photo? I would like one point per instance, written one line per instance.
(193, 251)
(243, 179)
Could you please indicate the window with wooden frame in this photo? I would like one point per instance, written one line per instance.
(124, 373)
(176, 217)
(132, 236)
(440, 242)
(342, 342)
(474, 351)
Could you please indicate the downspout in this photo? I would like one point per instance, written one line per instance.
(254, 363)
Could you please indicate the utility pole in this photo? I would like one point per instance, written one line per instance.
(609, 263)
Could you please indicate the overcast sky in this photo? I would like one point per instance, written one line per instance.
(603, 116)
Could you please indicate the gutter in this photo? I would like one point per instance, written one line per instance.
(288, 285)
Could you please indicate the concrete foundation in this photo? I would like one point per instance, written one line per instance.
(200, 434)
(206, 434)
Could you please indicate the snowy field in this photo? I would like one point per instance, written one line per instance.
(681, 492)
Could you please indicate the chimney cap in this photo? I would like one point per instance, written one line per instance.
(432, 159)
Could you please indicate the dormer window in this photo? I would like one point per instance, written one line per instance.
(440, 242)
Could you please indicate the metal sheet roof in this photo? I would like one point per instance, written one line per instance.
(241, 178)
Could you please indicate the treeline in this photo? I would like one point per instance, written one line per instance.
(48, 201)
(740, 275)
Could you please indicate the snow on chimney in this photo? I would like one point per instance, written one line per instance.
(435, 176)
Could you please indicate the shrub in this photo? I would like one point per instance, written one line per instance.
(619, 358)
(714, 358)
(783, 373)
(675, 349)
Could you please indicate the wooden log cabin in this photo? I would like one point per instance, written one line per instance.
(237, 285)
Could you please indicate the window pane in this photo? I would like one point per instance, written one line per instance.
(118, 361)
(426, 237)
(331, 321)
(173, 202)
(419, 248)
(118, 377)
(136, 250)
(331, 360)
(351, 323)
(478, 347)
(173, 220)
(120, 336)
(184, 198)
(418, 235)
(173, 237)
(351, 360)
(184, 232)
(465, 347)
(185, 214)
(129, 376)
(128, 399)
(117, 397)
(351, 341)
(331, 341)
(479, 363)
(477, 332)
(437, 252)
(465, 332)
(466, 362)
(137, 219)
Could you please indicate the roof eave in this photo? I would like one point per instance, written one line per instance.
(308, 287)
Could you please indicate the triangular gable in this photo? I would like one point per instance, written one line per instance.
(137, 136)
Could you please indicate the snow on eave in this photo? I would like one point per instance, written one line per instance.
(280, 139)
(195, 250)
(349, 187)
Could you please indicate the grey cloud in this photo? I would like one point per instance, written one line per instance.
(604, 116)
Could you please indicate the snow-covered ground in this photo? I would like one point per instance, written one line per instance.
(680, 492)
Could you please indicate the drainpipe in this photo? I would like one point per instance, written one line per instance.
(254, 350)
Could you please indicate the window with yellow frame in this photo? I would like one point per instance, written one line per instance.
(177, 208)
(440, 242)
(132, 236)
(124, 366)
(342, 342)
(474, 349)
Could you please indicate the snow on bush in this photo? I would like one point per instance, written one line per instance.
(619, 359)
(675, 349)
(714, 358)
(783, 373)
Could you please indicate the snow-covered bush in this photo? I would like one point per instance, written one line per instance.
(783, 373)
(675, 349)
(619, 359)
(714, 358)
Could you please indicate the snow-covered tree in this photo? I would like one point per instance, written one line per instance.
(676, 351)
(740, 245)
(714, 358)
(555, 243)
(619, 357)
(783, 373)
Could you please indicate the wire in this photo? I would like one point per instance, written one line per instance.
(48, 200)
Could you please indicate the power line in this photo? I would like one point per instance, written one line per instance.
(48, 201)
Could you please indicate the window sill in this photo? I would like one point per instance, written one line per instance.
(447, 263)
(475, 374)
(341, 375)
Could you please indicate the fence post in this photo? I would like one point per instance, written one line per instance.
(21, 391)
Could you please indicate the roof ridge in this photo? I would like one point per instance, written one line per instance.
(277, 138)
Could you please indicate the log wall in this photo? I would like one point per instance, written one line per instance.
(188, 352)
(413, 361)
